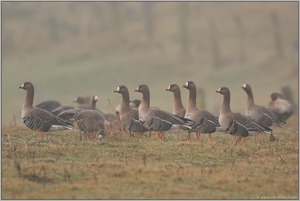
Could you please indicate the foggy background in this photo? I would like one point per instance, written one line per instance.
(69, 49)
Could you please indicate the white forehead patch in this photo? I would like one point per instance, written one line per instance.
(96, 97)
(244, 85)
(118, 88)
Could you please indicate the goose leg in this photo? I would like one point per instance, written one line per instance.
(189, 136)
(41, 135)
(238, 140)
(198, 134)
(159, 134)
(209, 137)
(86, 136)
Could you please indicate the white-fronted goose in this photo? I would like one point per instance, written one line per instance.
(259, 114)
(155, 119)
(128, 116)
(39, 119)
(236, 123)
(280, 106)
(91, 120)
(205, 121)
(178, 108)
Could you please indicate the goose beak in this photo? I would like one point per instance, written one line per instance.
(219, 90)
(117, 90)
(21, 86)
(168, 88)
(243, 86)
(137, 89)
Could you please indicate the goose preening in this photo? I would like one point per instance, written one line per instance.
(128, 115)
(39, 119)
(236, 123)
(155, 119)
(280, 106)
(205, 122)
(259, 114)
(178, 108)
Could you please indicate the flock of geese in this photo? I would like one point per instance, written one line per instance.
(139, 116)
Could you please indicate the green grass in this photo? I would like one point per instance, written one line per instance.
(123, 167)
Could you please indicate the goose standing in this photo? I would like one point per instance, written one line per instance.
(178, 108)
(39, 119)
(128, 116)
(236, 123)
(205, 121)
(260, 114)
(155, 119)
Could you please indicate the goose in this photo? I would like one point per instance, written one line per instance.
(69, 114)
(205, 121)
(37, 118)
(91, 120)
(128, 116)
(155, 119)
(236, 123)
(280, 106)
(178, 108)
(259, 114)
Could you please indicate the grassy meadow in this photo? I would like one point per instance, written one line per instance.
(63, 166)
(69, 49)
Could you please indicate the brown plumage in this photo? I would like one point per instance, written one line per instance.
(155, 119)
(39, 119)
(178, 108)
(205, 121)
(280, 106)
(259, 114)
(236, 123)
(91, 120)
(128, 116)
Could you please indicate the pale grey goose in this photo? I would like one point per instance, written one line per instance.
(39, 119)
(236, 123)
(280, 106)
(128, 116)
(90, 121)
(259, 114)
(155, 119)
(178, 108)
(205, 121)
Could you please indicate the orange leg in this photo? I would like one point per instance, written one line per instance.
(159, 135)
(86, 136)
(198, 134)
(41, 135)
(209, 137)
(238, 140)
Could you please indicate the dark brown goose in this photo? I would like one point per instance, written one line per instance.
(155, 119)
(205, 121)
(128, 116)
(178, 108)
(259, 114)
(280, 106)
(90, 121)
(236, 123)
(39, 119)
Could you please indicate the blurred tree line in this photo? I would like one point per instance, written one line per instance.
(45, 24)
